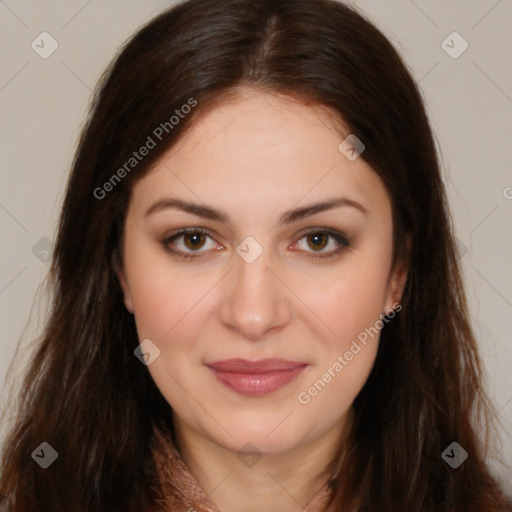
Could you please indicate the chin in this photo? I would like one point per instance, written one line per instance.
(268, 433)
(258, 443)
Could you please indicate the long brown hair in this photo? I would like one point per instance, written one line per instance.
(88, 396)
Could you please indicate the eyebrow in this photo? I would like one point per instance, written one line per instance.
(209, 212)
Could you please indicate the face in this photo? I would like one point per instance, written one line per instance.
(259, 307)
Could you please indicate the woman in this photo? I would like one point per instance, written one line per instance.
(257, 300)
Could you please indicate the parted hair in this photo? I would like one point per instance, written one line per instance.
(86, 394)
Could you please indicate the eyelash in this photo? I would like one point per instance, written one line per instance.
(339, 237)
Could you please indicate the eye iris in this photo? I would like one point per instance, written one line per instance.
(319, 240)
(197, 238)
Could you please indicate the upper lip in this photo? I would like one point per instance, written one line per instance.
(260, 366)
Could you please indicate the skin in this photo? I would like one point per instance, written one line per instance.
(254, 157)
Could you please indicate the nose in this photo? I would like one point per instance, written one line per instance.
(255, 302)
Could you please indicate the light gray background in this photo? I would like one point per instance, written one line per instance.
(469, 99)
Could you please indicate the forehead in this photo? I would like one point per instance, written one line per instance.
(262, 149)
(254, 122)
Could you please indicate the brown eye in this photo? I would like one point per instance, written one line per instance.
(318, 240)
(194, 240)
(187, 244)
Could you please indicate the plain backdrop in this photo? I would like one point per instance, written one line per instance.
(468, 93)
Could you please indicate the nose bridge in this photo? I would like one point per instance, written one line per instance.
(255, 300)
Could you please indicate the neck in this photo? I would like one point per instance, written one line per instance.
(292, 481)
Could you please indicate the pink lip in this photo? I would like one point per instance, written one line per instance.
(255, 377)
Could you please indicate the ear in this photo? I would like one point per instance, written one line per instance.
(128, 301)
(398, 278)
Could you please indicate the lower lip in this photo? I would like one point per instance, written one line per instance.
(254, 384)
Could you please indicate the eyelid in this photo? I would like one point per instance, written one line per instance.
(184, 231)
(335, 233)
(338, 236)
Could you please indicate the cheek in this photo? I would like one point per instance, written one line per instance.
(351, 307)
(162, 294)
(169, 310)
(351, 298)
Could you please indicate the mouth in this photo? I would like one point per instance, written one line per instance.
(253, 378)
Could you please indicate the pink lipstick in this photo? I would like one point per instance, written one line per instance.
(255, 378)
